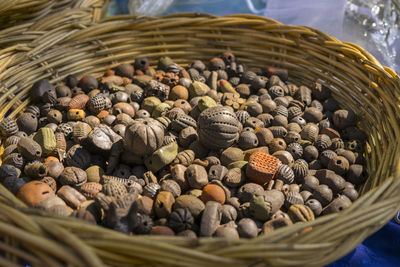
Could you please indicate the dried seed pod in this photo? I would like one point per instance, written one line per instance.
(8, 127)
(35, 170)
(27, 122)
(247, 228)
(310, 132)
(73, 176)
(79, 157)
(151, 190)
(12, 140)
(7, 171)
(218, 127)
(264, 136)
(114, 189)
(246, 191)
(300, 169)
(292, 137)
(310, 183)
(88, 83)
(196, 176)
(310, 153)
(247, 140)
(184, 157)
(163, 204)
(30, 149)
(195, 205)
(158, 89)
(357, 174)
(323, 142)
(217, 172)
(261, 167)
(326, 156)
(51, 182)
(277, 144)
(274, 224)
(211, 218)
(66, 129)
(344, 118)
(144, 136)
(71, 196)
(181, 219)
(183, 121)
(34, 192)
(312, 114)
(242, 116)
(260, 208)
(171, 186)
(285, 174)
(337, 205)
(14, 159)
(234, 177)
(78, 102)
(300, 213)
(296, 150)
(90, 189)
(323, 194)
(96, 103)
(339, 164)
(46, 139)
(337, 143)
(292, 198)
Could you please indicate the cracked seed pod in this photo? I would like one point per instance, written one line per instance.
(158, 89)
(79, 157)
(73, 176)
(234, 177)
(90, 189)
(296, 150)
(114, 189)
(183, 121)
(262, 167)
(294, 112)
(300, 169)
(285, 174)
(144, 136)
(81, 131)
(30, 149)
(8, 127)
(300, 213)
(184, 157)
(151, 190)
(218, 127)
(310, 132)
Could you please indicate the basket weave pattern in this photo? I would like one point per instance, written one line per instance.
(356, 79)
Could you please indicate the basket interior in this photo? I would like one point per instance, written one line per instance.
(356, 79)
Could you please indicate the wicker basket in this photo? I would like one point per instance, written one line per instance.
(356, 79)
(15, 12)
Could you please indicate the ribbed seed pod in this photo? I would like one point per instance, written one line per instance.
(10, 149)
(15, 159)
(151, 190)
(184, 157)
(73, 176)
(300, 213)
(323, 142)
(114, 189)
(96, 103)
(183, 121)
(78, 156)
(12, 140)
(35, 110)
(78, 102)
(169, 139)
(296, 150)
(61, 143)
(218, 127)
(242, 116)
(50, 182)
(81, 130)
(276, 91)
(35, 170)
(337, 143)
(285, 174)
(293, 197)
(280, 110)
(181, 219)
(294, 111)
(310, 132)
(171, 186)
(8, 127)
(46, 139)
(278, 131)
(90, 189)
(300, 169)
(326, 156)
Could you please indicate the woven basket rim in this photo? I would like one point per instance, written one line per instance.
(282, 247)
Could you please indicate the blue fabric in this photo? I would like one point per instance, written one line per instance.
(380, 249)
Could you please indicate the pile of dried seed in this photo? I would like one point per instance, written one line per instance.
(225, 151)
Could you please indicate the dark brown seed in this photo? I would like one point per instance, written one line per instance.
(323, 194)
(247, 228)
(315, 206)
(337, 205)
(339, 164)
